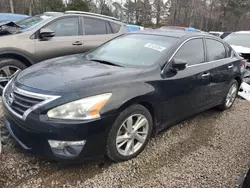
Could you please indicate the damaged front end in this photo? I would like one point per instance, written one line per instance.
(246, 56)
(244, 91)
(8, 28)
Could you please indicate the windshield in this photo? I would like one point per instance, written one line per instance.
(239, 39)
(133, 50)
(31, 22)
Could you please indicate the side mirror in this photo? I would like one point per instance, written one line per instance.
(46, 33)
(179, 64)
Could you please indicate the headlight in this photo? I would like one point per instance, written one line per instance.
(83, 109)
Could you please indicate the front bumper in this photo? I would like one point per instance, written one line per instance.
(33, 134)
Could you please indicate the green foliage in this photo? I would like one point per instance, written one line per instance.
(53, 5)
(78, 5)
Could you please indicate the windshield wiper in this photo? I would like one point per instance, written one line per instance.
(105, 62)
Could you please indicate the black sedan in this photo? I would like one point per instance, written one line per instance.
(111, 100)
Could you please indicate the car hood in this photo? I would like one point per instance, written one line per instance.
(73, 73)
(241, 49)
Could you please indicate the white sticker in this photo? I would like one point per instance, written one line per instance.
(155, 47)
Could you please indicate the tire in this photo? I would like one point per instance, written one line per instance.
(135, 111)
(12, 65)
(224, 105)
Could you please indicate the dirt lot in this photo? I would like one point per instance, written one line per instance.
(209, 150)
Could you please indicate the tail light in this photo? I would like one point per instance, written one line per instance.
(244, 63)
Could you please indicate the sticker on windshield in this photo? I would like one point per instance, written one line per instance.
(155, 47)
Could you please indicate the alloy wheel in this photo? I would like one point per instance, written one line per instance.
(231, 95)
(132, 134)
(6, 73)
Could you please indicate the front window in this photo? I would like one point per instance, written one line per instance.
(239, 39)
(65, 27)
(134, 50)
(192, 52)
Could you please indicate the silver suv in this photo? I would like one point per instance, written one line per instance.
(50, 35)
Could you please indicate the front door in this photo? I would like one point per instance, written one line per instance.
(187, 91)
(68, 39)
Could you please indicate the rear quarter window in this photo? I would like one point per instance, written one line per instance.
(115, 27)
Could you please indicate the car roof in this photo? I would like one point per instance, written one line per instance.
(82, 13)
(171, 33)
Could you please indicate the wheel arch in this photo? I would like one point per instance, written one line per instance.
(239, 80)
(149, 104)
(17, 55)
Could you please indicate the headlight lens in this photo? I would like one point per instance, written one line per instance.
(83, 109)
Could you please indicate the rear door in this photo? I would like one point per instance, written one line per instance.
(67, 40)
(188, 90)
(98, 31)
(221, 76)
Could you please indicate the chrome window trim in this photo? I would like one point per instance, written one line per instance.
(46, 98)
(206, 62)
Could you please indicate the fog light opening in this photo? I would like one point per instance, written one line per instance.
(70, 150)
(66, 148)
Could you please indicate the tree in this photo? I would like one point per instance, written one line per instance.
(78, 5)
(106, 10)
(11, 6)
(130, 11)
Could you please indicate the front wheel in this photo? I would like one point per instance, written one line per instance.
(8, 68)
(129, 134)
(230, 96)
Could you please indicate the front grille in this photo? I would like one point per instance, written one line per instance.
(21, 103)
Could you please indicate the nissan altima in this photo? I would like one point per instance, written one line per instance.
(111, 100)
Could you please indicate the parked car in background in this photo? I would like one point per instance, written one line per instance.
(240, 42)
(215, 33)
(190, 29)
(110, 100)
(132, 28)
(12, 17)
(53, 34)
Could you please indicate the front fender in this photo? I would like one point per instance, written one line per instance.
(18, 52)
(135, 93)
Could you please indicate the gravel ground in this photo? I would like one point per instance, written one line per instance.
(209, 150)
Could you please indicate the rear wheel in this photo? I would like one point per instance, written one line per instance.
(8, 68)
(230, 97)
(130, 133)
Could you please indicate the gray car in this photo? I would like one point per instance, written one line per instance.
(50, 35)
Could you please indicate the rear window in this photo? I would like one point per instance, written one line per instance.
(134, 49)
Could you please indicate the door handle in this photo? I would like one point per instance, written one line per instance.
(230, 66)
(77, 43)
(205, 75)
